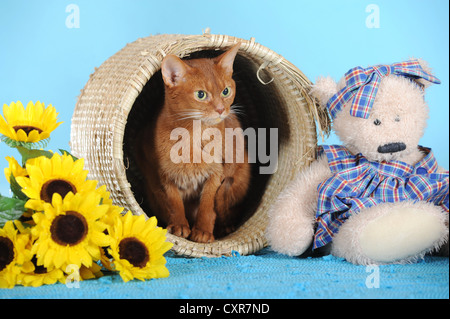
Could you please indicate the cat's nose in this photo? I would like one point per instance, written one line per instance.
(220, 110)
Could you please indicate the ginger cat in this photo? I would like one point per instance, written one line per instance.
(192, 197)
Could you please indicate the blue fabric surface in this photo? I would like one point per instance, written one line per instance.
(262, 276)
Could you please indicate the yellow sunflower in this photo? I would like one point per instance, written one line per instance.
(69, 231)
(137, 248)
(28, 125)
(93, 272)
(14, 255)
(57, 175)
(15, 169)
(39, 275)
(109, 219)
(111, 215)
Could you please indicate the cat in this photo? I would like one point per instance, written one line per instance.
(194, 199)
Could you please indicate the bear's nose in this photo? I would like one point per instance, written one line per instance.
(391, 148)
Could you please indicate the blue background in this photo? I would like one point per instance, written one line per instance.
(42, 59)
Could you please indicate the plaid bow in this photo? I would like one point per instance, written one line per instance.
(362, 85)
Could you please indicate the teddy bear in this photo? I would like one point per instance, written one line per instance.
(380, 197)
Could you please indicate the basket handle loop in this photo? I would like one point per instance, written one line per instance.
(262, 67)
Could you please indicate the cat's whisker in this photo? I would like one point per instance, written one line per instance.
(187, 118)
(237, 107)
(186, 115)
(189, 111)
(238, 110)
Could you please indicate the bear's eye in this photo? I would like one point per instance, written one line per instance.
(377, 122)
(397, 119)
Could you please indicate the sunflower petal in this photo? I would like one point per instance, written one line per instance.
(56, 164)
(4, 127)
(22, 136)
(128, 222)
(35, 173)
(34, 136)
(34, 204)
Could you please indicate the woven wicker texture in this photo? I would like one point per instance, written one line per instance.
(126, 89)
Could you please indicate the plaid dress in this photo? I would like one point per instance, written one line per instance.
(358, 183)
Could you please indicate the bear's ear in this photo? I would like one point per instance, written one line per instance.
(426, 68)
(324, 89)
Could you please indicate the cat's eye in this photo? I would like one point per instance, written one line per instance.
(200, 95)
(377, 122)
(226, 92)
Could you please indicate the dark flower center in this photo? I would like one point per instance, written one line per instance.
(59, 186)
(26, 129)
(69, 229)
(38, 269)
(6, 252)
(134, 251)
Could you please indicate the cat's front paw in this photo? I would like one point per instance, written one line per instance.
(179, 230)
(201, 236)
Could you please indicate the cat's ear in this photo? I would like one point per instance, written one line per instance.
(173, 70)
(226, 60)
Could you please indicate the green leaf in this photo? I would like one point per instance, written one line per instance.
(28, 145)
(68, 153)
(10, 209)
(16, 188)
(28, 154)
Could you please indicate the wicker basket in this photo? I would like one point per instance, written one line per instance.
(125, 90)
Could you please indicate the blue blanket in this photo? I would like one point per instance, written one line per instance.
(262, 276)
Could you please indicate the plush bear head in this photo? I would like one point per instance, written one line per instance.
(385, 120)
